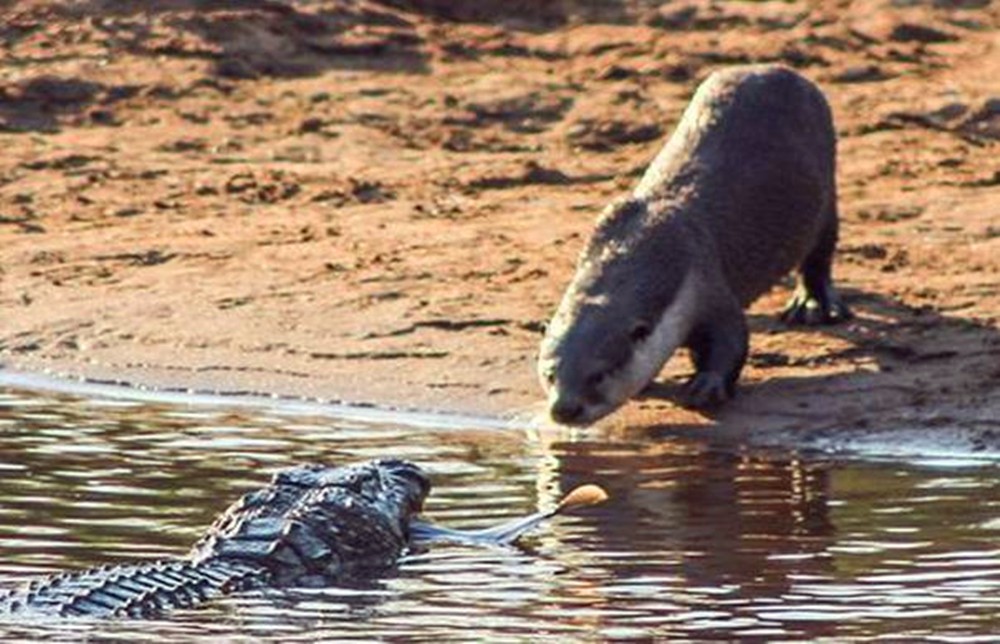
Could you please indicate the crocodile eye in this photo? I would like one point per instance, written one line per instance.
(639, 332)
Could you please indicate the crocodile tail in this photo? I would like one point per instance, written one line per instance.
(130, 590)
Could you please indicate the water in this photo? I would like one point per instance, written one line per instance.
(696, 542)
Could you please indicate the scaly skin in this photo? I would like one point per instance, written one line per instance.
(313, 524)
(131, 590)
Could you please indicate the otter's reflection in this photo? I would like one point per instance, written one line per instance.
(736, 525)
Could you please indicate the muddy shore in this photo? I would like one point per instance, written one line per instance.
(380, 203)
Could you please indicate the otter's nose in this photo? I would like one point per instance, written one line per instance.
(566, 411)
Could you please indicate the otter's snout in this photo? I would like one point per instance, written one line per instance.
(576, 394)
(566, 410)
(566, 406)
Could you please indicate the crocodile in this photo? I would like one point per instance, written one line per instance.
(313, 525)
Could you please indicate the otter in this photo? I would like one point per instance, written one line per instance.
(742, 193)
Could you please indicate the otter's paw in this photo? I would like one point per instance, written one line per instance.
(706, 390)
(805, 308)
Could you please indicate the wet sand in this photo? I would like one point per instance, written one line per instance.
(380, 203)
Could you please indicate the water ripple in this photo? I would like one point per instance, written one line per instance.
(694, 544)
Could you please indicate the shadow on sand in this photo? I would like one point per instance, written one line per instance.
(914, 368)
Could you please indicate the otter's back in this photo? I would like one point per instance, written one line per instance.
(753, 160)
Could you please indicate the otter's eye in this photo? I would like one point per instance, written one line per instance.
(640, 332)
(595, 380)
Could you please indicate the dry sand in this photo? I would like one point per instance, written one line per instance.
(381, 202)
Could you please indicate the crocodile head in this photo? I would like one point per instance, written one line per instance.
(316, 522)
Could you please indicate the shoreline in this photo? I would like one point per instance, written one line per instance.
(147, 392)
(939, 446)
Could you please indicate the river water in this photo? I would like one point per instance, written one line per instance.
(696, 541)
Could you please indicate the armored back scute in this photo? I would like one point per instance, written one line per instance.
(313, 524)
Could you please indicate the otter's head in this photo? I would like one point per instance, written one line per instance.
(629, 306)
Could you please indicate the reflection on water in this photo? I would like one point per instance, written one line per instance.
(694, 542)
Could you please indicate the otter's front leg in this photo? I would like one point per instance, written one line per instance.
(718, 345)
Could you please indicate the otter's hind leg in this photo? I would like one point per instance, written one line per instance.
(719, 346)
(816, 301)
